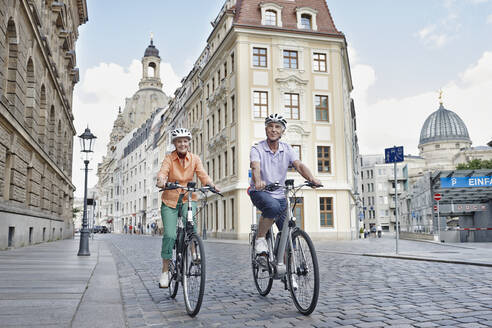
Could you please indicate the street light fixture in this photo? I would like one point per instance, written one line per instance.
(87, 141)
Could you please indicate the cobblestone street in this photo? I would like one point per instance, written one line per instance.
(356, 291)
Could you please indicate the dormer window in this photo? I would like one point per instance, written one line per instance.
(271, 17)
(306, 18)
(271, 14)
(306, 22)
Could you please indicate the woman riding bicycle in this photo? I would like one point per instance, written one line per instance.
(270, 160)
(181, 166)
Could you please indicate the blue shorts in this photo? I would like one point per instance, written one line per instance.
(271, 208)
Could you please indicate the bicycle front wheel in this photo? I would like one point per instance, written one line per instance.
(303, 273)
(194, 275)
(262, 273)
(173, 275)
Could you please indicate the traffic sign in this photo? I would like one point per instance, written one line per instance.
(437, 197)
(435, 208)
(394, 155)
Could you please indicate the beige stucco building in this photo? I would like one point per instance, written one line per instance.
(266, 57)
(37, 76)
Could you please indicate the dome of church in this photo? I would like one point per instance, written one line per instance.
(443, 125)
(151, 50)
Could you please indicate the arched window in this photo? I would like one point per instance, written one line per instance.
(151, 70)
(306, 22)
(271, 17)
(30, 100)
(10, 82)
(58, 153)
(51, 131)
(43, 115)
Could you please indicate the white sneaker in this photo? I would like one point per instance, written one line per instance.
(294, 283)
(261, 246)
(164, 281)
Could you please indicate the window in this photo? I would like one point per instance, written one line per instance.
(232, 62)
(213, 84)
(226, 173)
(290, 59)
(232, 213)
(291, 103)
(213, 124)
(224, 214)
(220, 166)
(324, 160)
(297, 149)
(319, 62)
(213, 169)
(306, 22)
(271, 17)
(326, 212)
(233, 161)
(225, 69)
(260, 104)
(225, 114)
(321, 103)
(219, 121)
(259, 57)
(233, 109)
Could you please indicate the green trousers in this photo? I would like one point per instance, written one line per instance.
(169, 218)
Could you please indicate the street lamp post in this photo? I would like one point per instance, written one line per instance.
(87, 140)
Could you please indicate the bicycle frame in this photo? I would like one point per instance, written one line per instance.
(277, 258)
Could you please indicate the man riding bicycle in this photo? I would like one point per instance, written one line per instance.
(181, 166)
(270, 160)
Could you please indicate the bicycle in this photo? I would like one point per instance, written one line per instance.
(301, 274)
(188, 261)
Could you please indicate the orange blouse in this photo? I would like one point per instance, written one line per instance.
(173, 170)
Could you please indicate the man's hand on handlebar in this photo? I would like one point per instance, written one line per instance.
(260, 185)
(315, 183)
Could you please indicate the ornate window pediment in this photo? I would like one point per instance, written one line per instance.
(271, 14)
(306, 18)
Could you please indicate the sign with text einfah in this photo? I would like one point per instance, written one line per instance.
(466, 182)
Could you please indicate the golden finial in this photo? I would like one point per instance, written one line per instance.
(440, 96)
(151, 36)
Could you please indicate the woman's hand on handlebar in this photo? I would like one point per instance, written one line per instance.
(161, 182)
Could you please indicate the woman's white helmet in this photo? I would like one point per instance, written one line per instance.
(180, 133)
(276, 118)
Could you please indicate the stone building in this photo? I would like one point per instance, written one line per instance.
(266, 57)
(37, 76)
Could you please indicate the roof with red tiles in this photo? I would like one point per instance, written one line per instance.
(248, 12)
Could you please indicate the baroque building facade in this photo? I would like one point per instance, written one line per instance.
(265, 57)
(37, 76)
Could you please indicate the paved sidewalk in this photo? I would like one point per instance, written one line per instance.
(48, 285)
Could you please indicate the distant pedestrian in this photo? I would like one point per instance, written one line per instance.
(373, 231)
(139, 228)
(147, 231)
(365, 233)
(131, 228)
(380, 231)
(126, 228)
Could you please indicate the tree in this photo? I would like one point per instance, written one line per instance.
(475, 164)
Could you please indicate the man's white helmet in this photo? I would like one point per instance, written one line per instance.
(276, 118)
(180, 133)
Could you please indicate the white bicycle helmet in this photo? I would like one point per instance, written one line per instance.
(180, 133)
(276, 118)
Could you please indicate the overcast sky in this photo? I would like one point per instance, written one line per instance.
(401, 54)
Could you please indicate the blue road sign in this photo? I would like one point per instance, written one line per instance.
(361, 215)
(466, 182)
(394, 155)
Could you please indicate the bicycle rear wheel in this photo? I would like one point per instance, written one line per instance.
(173, 275)
(194, 274)
(262, 274)
(302, 267)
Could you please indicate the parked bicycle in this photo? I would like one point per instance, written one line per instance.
(188, 264)
(293, 245)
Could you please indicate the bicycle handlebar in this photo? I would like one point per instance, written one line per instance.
(274, 186)
(175, 185)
